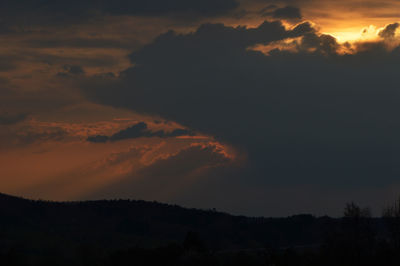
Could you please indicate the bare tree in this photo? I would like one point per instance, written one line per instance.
(358, 232)
(392, 217)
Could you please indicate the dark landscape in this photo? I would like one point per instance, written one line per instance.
(127, 232)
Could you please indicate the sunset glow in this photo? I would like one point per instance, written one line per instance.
(108, 99)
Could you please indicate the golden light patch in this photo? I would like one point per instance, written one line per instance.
(370, 33)
(290, 45)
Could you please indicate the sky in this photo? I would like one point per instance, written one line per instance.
(252, 107)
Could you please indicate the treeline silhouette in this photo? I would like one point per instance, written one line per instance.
(123, 232)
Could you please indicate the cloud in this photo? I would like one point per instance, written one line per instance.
(79, 42)
(139, 130)
(321, 44)
(210, 38)
(42, 135)
(304, 116)
(159, 7)
(28, 12)
(11, 119)
(176, 174)
(314, 116)
(288, 12)
(7, 63)
(389, 31)
(71, 70)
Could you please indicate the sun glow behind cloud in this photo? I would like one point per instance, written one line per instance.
(348, 40)
(370, 33)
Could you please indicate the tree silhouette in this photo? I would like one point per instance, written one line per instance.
(392, 217)
(358, 233)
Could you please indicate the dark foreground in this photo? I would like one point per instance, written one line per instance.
(148, 233)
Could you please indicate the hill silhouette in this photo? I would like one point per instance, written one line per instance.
(122, 223)
(130, 232)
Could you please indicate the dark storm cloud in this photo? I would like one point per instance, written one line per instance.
(213, 40)
(61, 42)
(323, 44)
(288, 12)
(311, 117)
(71, 70)
(11, 119)
(138, 131)
(28, 12)
(389, 31)
(160, 7)
(7, 63)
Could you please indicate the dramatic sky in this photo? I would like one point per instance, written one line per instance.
(255, 107)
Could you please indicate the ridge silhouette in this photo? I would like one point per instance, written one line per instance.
(133, 232)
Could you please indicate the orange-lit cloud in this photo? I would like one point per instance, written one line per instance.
(53, 160)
